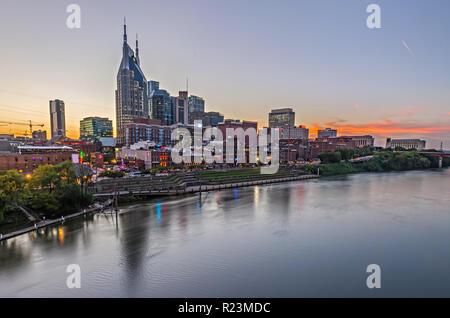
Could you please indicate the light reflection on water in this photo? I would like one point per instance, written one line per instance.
(310, 238)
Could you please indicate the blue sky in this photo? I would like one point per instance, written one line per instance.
(243, 56)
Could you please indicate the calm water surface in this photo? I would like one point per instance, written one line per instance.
(306, 238)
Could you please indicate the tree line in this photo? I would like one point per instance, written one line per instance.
(51, 191)
(337, 162)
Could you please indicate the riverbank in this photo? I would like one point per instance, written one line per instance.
(384, 161)
(145, 194)
(96, 207)
(141, 188)
(283, 235)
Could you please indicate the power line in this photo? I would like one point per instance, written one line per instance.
(15, 108)
(23, 110)
(49, 98)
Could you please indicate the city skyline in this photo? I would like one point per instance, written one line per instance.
(388, 92)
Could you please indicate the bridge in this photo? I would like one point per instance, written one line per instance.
(440, 154)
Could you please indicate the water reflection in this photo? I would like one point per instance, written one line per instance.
(303, 239)
(61, 236)
(158, 213)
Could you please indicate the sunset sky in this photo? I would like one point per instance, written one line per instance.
(244, 57)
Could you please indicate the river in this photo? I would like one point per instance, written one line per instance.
(312, 238)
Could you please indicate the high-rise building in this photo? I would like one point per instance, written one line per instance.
(215, 118)
(196, 104)
(282, 118)
(160, 103)
(327, 132)
(181, 104)
(93, 128)
(151, 131)
(131, 93)
(57, 118)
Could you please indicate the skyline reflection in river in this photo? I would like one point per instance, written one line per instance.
(309, 238)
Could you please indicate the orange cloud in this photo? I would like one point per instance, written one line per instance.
(388, 127)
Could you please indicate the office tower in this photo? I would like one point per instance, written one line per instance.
(327, 132)
(131, 93)
(93, 128)
(160, 104)
(215, 118)
(181, 104)
(57, 118)
(196, 104)
(282, 118)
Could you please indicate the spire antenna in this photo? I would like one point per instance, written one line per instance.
(137, 49)
(124, 29)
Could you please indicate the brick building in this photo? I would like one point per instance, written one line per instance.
(29, 158)
(328, 144)
(137, 158)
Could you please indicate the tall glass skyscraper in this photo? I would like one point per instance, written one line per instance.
(57, 118)
(282, 118)
(196, 104)
(181, 107)
(161, 106)
(131, 93)
(93, 128)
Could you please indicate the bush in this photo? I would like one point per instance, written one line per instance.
(334, 169)
(330, 157)
(391, 161)
(381, 161)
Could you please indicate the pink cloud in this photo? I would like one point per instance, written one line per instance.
(389, 127)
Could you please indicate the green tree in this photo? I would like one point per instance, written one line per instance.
(66, 172)
(44, 177)
(12, 185)
(330, 157)
(60, 188)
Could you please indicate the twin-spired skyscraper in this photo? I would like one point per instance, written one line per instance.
(131, 93)
(138, 98)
